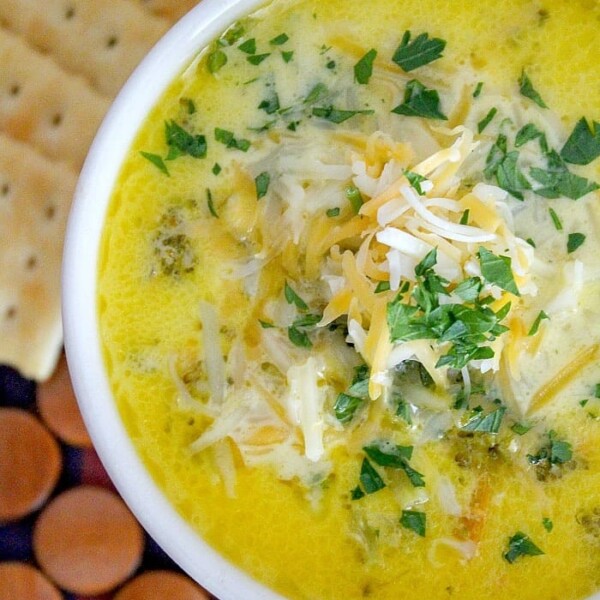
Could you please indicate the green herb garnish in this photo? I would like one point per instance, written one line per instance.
(414, 520)
(299, 337)
(216, 61)
(478, 89)
(271, 104)
(536, 324)
(249, 46)
(333, 212)
(464, 220)
(520, 545)
(266, 324)
(530, 132)
(256, 59)
(487, 119)
(497, 270)
(415, 181)
(548, 524)
(583, 145)
(216, 169)
(293, 298)
(279, 40)
(363, 69)
(485, 423)
(227, 137)
(189, 105)
(419, 52)
(521, 428)
(382, 286)
(370, 478)
(354, 197)
(157, 161)
(556, 452)
(209, 202)
(526, 88)
(316, 93)
(555, 219)
(336, 115)
(395, 457)
(574, 241)
(261, 183)
(181, 142)
(287, 56)
(420, 102)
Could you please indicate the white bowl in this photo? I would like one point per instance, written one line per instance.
(79, 280)
(80, 322)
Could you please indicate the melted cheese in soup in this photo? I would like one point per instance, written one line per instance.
(347, 296)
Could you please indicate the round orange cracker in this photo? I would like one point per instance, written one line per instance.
(30, 463)
(87, 541)
(158, 585)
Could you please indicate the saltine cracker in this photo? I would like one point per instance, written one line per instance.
(35, 196)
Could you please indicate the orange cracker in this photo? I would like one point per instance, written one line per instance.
(102, 40)
(35, 195)
(44, 106)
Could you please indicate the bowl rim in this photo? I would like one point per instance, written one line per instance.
(175, 50)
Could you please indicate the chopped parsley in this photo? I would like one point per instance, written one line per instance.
(583, 145)
(530, 132)
(597, 391)
(395, 457)
(464, 220)
(487, 119)
(574, 241)
(157, 161)
(478, 89)
(415, 181)
(216, 61)
(189, 105)
(216, 169)
(256, 59)
(279, 40)
(466, 326)
(271, 104)
(536, 324)
(382, 286)
(337, 115)
(266, 324)
(249, 46)
(555, 219)
(420, 102)
(557, 180)
(526, 88)
(521, 545)
(370, 479)
(287, 55)
(293, 298)
(548, 524)
(181, 142)
(414, 520)
(261, 183)
(510, 177)
(354, 197)
(363, 69)
(485, 423)
(227, 137)
(497, 270)
(299, 337)
(333, 212)
(420, 51)
(556, 452)
(403, 410)
(521, 428)
(316, 93)
(209, 202)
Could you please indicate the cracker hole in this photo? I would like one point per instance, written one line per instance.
(50, 212)
(32, 262)
(11, 313)
(57, 119)
(112, 41)
(14, 90)
(5, 190)
(69, 13)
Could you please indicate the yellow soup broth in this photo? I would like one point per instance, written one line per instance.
(222, 254)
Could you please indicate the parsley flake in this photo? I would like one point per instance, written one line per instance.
(415, 181)
(415, 521)
(395, 457)
(486, 120)
(336, 115)
(227, 137)
(419, 52)
(287, 56)
(333, 212)
(526, 88)
(157, 161)
(536, 324)
(355, 198)
(497, 270)
(293, 298)
(521, 545)
(279, 40)
(370, 478)
(574, 241)
(262, 182)
(363, 69)
(209, 202)
(548, 524)
(216, 61)
(181, 142)
(420, 102)
(485, 423)
(478, 89)
(583, 145)
(249, 46)
(256, 59)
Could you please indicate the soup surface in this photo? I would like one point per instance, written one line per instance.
(348, 297)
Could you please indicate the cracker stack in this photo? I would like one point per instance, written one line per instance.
(61, 63)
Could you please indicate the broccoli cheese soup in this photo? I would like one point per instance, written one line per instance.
(348, 298)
